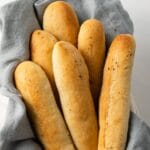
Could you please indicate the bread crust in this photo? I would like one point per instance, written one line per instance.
(42, 110)
(115, 95)
(91, 43)
(41, 44)
(72, 81)
(60, 19)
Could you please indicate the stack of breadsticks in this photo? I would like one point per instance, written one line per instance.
(70, 84)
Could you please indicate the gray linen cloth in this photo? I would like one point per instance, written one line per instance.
(18, 19)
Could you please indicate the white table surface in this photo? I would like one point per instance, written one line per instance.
(139, 11)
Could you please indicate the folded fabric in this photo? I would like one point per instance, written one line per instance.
(18, 19)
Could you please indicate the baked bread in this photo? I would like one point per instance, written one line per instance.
(42, 110)
(72, 81)
(60, 19)
(91, 43)
(41, 44)
(115, 95)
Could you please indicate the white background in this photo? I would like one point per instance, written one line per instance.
(139, 11)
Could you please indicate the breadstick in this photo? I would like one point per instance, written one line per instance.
(72, 81)
(60, 19)
(91, 43)
(115, 95)
(42, 43)
(42, 110)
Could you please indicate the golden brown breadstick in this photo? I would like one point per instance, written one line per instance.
(42, 110)
(72, 81)
(91, 43)
(115, 95)
(60, 19)
(42, 43)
